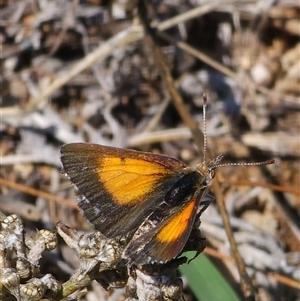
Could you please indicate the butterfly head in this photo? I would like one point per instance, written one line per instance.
(207, 169)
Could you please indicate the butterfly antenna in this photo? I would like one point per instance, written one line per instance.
(214, 163)
(272, 161)
(204, 127)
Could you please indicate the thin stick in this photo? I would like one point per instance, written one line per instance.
(123, 38)
(39, 193)
(170, 83)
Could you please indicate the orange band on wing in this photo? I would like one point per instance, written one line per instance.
(177, 225)
(129, 179)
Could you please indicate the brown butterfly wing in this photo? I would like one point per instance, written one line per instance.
(118, 188)
(160, 241)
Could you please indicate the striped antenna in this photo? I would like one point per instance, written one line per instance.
(213, 163)
(204, 127)
(272, 161)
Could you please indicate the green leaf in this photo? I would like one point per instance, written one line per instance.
(206, 281)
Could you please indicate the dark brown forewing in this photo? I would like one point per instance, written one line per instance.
(118, 188)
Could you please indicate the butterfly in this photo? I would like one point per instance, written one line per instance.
(155, 197)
